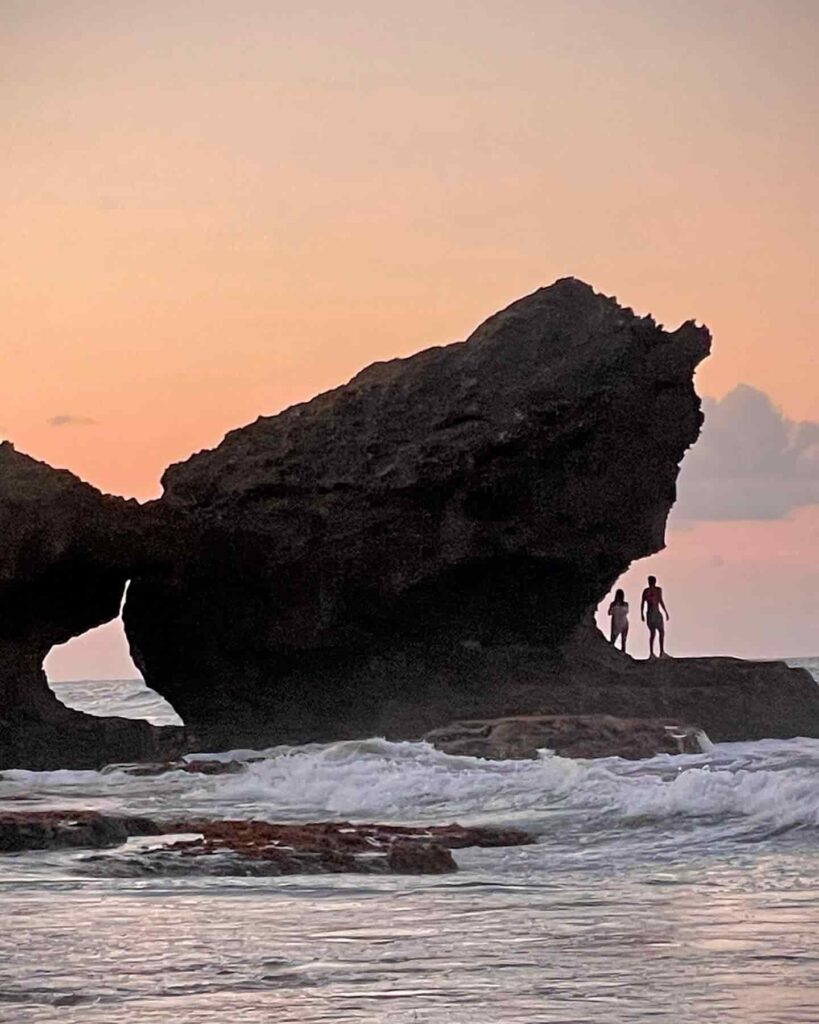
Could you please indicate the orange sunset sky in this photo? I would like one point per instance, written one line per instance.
(212, 210)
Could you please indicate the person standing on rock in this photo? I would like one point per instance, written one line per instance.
(652, 607)
(618, 610)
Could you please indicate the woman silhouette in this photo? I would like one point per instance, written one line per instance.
(618, 610)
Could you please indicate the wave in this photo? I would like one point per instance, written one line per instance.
(768, 785)
(773, 781)
(765, 785)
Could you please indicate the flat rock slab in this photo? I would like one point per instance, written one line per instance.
(249, 847)
(260, 847)
(50, 830)
(344, 835)
(582, 736)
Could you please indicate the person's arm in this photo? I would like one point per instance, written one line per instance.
(643, 607)
(662, 605)
(611, 606)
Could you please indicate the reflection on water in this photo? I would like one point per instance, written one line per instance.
(504, 941)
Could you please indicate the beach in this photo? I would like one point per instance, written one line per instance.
(674, 889)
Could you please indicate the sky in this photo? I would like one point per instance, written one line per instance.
(211, 211)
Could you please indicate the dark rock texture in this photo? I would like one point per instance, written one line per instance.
(422, 545)
(252, 847)
(50, 830)
(260, 847)
(148, 769)
(505, 739)
(371, 560)
(729, 698)
(66, 552)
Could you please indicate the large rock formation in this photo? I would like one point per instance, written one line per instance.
(422, 545)
(374, 560)
(65, 556)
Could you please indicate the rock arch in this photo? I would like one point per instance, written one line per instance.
(66, 555)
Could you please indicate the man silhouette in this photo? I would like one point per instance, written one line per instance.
(652, 607)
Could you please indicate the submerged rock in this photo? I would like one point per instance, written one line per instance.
(581, 736)
(259, 847)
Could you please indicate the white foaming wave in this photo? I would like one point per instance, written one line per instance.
(59, 777)
(390, 780)
(773, 783)
(769, 784)
(780, 799)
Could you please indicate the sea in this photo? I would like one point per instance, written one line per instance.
(679, 889)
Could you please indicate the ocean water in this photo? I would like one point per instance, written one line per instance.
(672, 890)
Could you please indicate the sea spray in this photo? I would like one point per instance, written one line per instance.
(773, 783)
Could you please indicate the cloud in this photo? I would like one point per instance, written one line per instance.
(750, 462)
(70, 421)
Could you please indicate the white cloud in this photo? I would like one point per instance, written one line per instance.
(751, 462)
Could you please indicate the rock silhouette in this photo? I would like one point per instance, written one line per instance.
(66, 552)
(362, 558)
(424, 544)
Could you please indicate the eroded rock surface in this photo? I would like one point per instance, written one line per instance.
(582, 736)
(66, 552)
(344, 835)
(369, 562)
(330, 847)
(50, 830)
(249, 847)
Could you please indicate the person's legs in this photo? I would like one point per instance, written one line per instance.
(623, 638)
(661, 631)
(613, 638)
(651, 631)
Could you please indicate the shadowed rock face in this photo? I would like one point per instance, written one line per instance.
(351, 554)
(65, 556)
